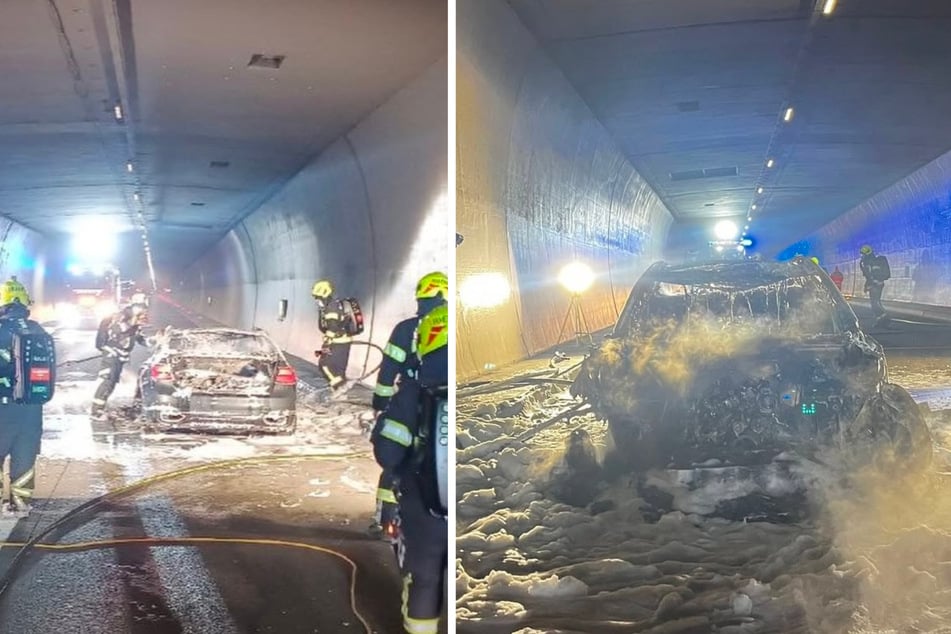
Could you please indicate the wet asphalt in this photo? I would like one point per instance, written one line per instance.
(325, 575)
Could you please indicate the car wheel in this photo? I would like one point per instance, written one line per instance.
(890, 432)
(291, 428)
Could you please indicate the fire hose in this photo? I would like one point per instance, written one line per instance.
(36, 542)
(77, 361)
(326, 351)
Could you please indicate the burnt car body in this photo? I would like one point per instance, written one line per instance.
(739, 362)
(219, 380)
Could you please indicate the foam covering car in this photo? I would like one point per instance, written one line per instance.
(218, 379)
(740, 362)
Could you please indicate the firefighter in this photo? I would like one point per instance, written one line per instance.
(876, 271)
(399, 444)
(837, 278)
(334, 355)
(21, 425)
(399, 363)
(116, 338)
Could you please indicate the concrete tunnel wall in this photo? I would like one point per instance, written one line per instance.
(909, 222)
(22, 253)
(369, 213)
(539, 183)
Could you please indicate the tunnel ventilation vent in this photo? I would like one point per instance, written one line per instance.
(709, 204)
(259, 60)
(710, 172)
(220, 164)
(688, 106)
(198, 204)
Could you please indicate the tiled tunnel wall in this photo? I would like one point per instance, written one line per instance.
(369, 213)
(910, 223)
(539, 183)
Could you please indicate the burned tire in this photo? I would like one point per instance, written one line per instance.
(290, 430)
(890, 432)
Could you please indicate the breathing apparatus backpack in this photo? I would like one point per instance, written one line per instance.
(431, 453)
(880, 269)
(351, 317)
(32, 354)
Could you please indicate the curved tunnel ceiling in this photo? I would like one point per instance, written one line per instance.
(695, 91)
(205, 132)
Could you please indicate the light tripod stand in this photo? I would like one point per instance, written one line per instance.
(576, 316)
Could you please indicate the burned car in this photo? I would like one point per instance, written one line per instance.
(218, 379)
(739, 362)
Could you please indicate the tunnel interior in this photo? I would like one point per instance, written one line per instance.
(220, 157)
(235, 163)
(618, 135)
(596, 139)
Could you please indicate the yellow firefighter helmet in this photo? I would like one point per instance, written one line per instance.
(322, 289)
(13, 291)
(434, 284)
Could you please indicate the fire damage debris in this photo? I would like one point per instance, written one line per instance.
(251, 377)
(218, 379)
(766, 517)
(741, 362)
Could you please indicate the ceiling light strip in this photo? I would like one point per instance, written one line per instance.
(788, 113)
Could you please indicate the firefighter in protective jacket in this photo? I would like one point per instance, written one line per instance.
(21, 425)
(399, 443)
(116, 338)
(339, 320)
(876, 271)
(399, 364)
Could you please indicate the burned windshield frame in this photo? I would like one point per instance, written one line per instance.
(661, 300)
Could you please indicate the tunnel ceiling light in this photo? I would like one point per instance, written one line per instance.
(136, 196)
(576, 277)
(829, 7)
(787, 117)
(719, 247)
(117, 110)
(770, 163)
(94, 241)
(725, 230)
(746, 228)
(753, 206)
(484, 290)
(759, 190)
(129, 167)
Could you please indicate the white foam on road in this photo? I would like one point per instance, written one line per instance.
(876, 561)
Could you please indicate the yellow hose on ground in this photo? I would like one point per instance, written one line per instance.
(180, 541)
(190, 541)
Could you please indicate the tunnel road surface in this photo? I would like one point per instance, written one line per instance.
(245, 534)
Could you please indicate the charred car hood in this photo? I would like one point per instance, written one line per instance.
(767, 396)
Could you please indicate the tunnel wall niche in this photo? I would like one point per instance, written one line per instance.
(369, 213)
(539, 183)
(909, 222)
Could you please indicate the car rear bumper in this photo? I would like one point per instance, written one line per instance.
(226, 415)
